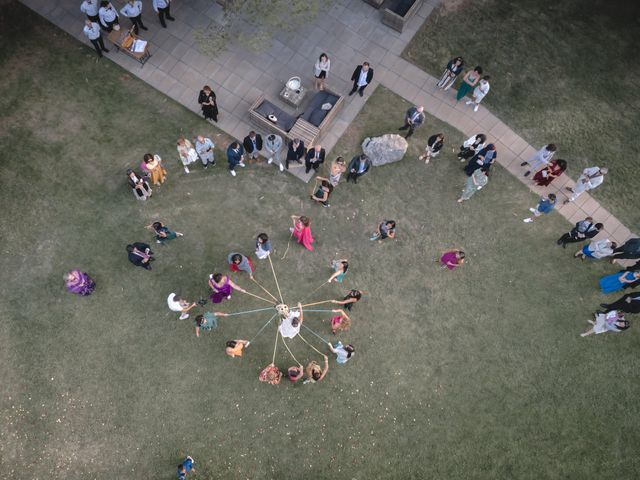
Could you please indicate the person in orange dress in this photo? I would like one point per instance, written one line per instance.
(235, 347)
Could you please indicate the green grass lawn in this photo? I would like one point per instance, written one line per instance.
(473, 374)
(560, 72)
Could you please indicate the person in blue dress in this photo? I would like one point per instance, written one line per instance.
(184, 468)
(618, 281)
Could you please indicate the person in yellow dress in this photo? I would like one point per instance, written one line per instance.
(153, 164)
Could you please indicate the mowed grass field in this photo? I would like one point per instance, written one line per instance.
(477, 373)
(561, 72)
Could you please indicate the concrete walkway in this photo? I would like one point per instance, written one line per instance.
(350, 32)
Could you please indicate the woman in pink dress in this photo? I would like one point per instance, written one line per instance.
(302, 231)
(451, 259)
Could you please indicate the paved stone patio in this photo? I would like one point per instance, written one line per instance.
(349, 31)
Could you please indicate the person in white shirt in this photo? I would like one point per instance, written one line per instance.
(108, 16)
(362, 76)
(591, 177)
(163, 9)
(204, 147)
(320, 70)
(480, 92)
(290, 325)
(90, 9)
(177, 304)
(272, 147)
(540, 159)
(92, 32)
(597, 249)
(133, 11)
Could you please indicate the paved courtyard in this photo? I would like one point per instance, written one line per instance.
(350, 32)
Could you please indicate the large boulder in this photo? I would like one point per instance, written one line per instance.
(385, 149)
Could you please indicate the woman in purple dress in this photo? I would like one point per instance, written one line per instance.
(222, 287)
(79, 283)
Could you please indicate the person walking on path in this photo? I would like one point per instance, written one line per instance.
(612, 321)
(79, 283)
(140, 255)
(451, 72)
(133, 11)
(252, 144)
(295, 152)
(583, 230)
(629, 303)
(302, 231)
(204, 149)
(208, 104)
(469, 81)
(413, 119)
(434, 145)
(471, 146)
(362, 76)
(186, 152)
(480, 92)
(177, 304)
(482, 160)
(163, 233)
(475, 182)
(358, 166)
(596, 249)
(321, 70)
(90, 8)
(591, 178)
(314, 158)
(544, 207)
(549, 173)
(272, 147)
(628, 250)
(163, 9)
(92, 31)
(239, 263)
(108, 16)
(452, 259)
(184, 468)
(234, 157)
(540, 159)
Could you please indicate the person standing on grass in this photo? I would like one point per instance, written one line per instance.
(629, 303)
(163, 9)
(239, 263)
(208, 104)
(295, 152)
(90, 9)
(451, 72)
(272, 147)
(222, 287)
(434, 145)
(140, 255)
(108, 16)
(91, 30)
(583, 230)
(302, 231)
(234, 348)
(350, 299)
(362, 76)
(540, 159)
(133, 11)
(386, 229)
(612, 321)
(469, 81)
(549, 173)
(452, 259)
(321, 70)
(591, 178)
(597, 249)
(413, 119)
(314, 158)
(358, 166)
(185, 466)
(177, 304)
(204, 149)
(471, 146)
(79, 283)
(544, 207)
(139, 184)
(321, 195)
(186, 152)
(478, 179)
(263, 246)
(314, 372)
(343, 352)
(339, 268)
(153, 165)
(340, 322)
(482, 160)
(252, 144)
(480, 92)
(207, 322)
(163, 234)
(338, 167)
(628, 250)
(234, 157)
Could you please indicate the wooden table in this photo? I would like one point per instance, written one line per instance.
(116, 37)
(293, 97)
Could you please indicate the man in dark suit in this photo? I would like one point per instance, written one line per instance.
(358, 166)
(295, 152)
(234, 157)
(140, 255)
(584, 230)
(413, 119)
(314, 158)
(252, 145)
(362, 76)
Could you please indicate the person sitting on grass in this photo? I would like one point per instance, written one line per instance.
(340, 268)
(314, 373)
(184, 468)
(612, 321)
(340, 322)
(353, 296)
(163, 234)
(235, 347)
(545, 206)
(177, 304)
(343, 352)
(597, 249)
(452, 259)
(322, 194)
(140, 255)
(240, 263)
(386, 229)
